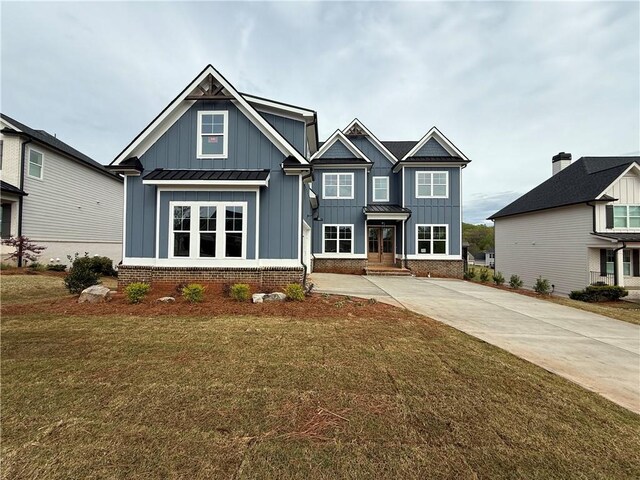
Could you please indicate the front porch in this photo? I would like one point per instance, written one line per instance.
(619, 265)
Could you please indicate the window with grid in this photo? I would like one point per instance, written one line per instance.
(207, 223)
(338, 239)
(432, 239)
(233, 232)
(35, 164)
(181, 231)
(337, 185)
(432, 184)
(380, 189)
(626, 216)
(212, 132)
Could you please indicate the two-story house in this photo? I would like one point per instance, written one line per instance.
(57, 196)
(224, 186)
(581, 226)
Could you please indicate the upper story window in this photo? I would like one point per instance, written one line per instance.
(213, 133)
(380, 189)
(626, 216)
(432, 239)
(432, 184)
(36, 164)
(337, 185)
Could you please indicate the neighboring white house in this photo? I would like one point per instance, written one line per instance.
(57, 196)
(579, 227)
(485, 258)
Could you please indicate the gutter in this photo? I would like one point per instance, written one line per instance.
(23, 159)
(404, 260)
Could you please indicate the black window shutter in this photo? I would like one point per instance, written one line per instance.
(636, 262)
(603, 262)
(609, 216)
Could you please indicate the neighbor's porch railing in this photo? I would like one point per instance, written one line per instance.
(608, 279)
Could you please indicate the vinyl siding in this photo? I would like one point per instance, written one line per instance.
(72, 203)
(432, 149)
(553, 243)
(337, 150)
(382, 167)
(293, 130)
(11, 150)
(627, 192)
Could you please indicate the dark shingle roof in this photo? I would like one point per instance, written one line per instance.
(622, 237)
(400, 149)
(229, 175)
(580, 182)
(339, 161)
(386, 209)
(8, 188)
(438, 159)
(53, 142)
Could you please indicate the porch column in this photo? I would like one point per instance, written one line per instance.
(619, 270)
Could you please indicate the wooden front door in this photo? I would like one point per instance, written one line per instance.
(381, 245)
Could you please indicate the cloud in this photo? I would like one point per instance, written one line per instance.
(480, 205)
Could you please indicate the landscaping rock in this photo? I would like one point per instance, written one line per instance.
(274, 297)
(258, 297)
(95, 294)
(166, 300)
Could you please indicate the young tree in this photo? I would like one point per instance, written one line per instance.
(25, 249)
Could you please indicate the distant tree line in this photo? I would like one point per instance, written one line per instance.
(480, 237)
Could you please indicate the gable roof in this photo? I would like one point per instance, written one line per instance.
(399, 148)
(441, 139)
(335, 137)
(357, 126)
(585, 180)
(8, 188)
(172, 112)
(44, 138)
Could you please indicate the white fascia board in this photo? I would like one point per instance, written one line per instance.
(442, 140)
(279, 107)
(338, 135)
(377, 143)
(180, 105)
(2, 120)
(387, 216)
(400, 166)
(633, 166)
(211, 183)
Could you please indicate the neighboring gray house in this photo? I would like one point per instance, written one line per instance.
(579, 227)
(57, 196)
(485, 258)
(224, 186)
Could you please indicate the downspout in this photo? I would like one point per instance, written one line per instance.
(404, 260)
(305, 268)
(23, 159)
(593, 209)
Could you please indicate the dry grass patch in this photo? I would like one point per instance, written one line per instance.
(621, 310)
(385, 396)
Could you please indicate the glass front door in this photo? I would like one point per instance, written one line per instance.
(381, 245)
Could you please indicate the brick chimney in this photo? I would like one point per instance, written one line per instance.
(560, 162)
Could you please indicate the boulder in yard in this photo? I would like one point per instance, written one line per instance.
(258, 297)
(95, 294)
(166, 300)
(275, 297)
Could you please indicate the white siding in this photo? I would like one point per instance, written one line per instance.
(627, 192)
(10, 171)
(552, 243)
(72, 203)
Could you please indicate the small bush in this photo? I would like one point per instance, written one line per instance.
(470, 274)
(515, 282)
(194, 293)
(240, 292)
(498, 278)
(56, 267)
(542, 286)
(37, 267)
(6, 266)
(135, 292)
(102, 266)
(80, 276)
(484, 275)
(599, 293)
(294, 291)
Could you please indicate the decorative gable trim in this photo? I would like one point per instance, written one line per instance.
(633, 166)
(441, 139)
(339, 136)
(357, 128)
(209, 84)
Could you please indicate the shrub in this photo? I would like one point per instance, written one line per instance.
(102, 266)
(57, 267)
(240, 292)
(80, 276)
(484, 275)
(515, 282)
(6, 266)
(470, 274)
(136, 291)
(37, 267)
(294, 291)
(498, 278)
(194, 292)
(599, 293)
(542, 286)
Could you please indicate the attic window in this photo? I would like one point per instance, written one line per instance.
(213, 134)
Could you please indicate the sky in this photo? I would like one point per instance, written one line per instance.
(510, 84)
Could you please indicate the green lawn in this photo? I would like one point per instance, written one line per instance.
(393, 395)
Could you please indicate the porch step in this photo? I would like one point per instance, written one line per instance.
(388, 271)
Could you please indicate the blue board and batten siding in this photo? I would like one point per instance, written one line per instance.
(338, 150)
(248, 148)
(382, 167)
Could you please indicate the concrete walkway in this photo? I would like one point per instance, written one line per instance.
(597, 352)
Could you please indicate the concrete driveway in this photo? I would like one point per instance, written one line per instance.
(599, 353)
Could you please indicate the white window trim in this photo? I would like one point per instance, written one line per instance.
(338, 225)
(446, 251)
(373, 180)
(225, 134)
(446, 195)
(194, 231)
(338, 197)
(628, 227)
(41, 177)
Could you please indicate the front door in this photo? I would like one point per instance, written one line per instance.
(381, 245)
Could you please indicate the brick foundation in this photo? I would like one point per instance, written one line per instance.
(260, 277)
(436, 268)
(340, 265)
